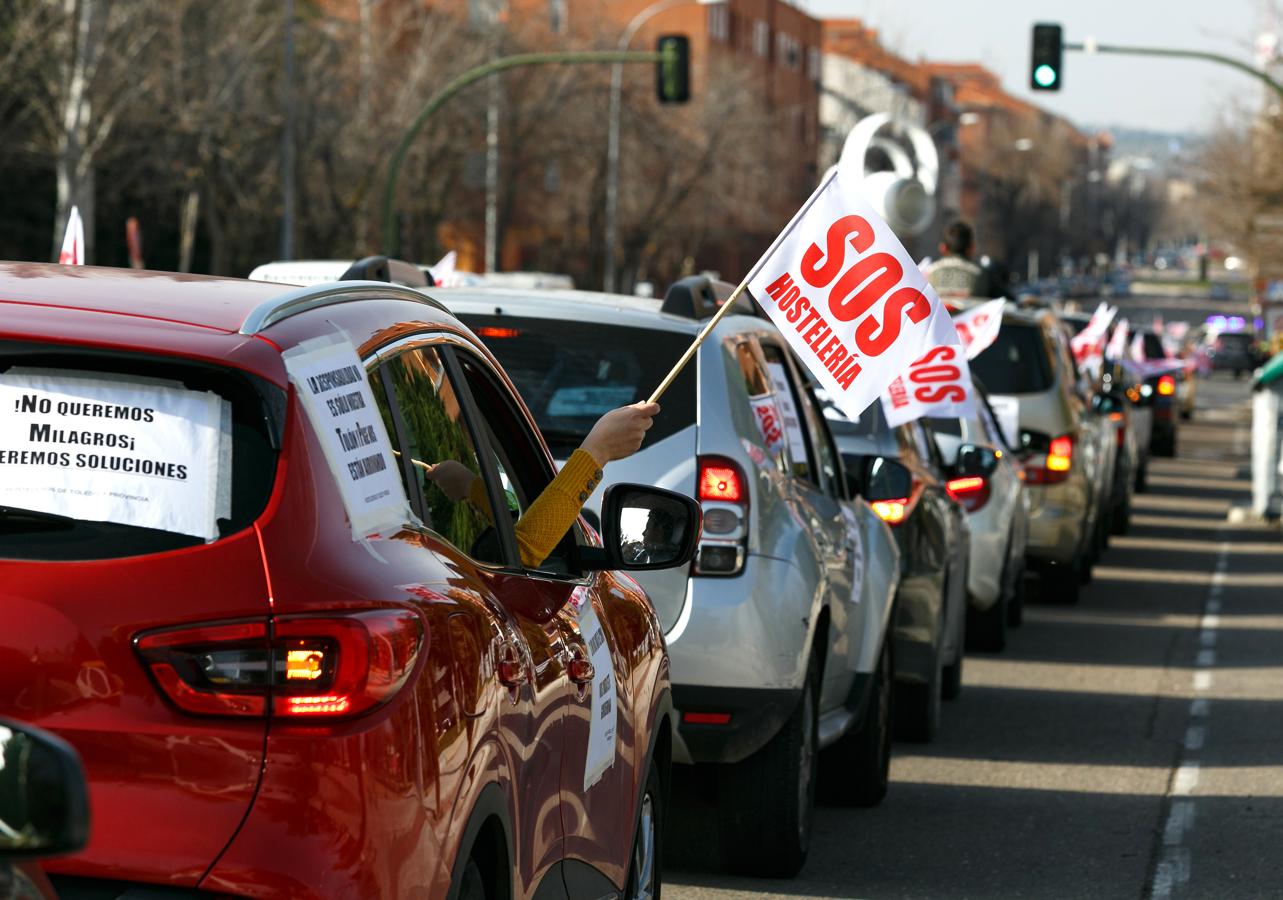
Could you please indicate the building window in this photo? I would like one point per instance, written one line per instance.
(761, 38)
(813, 63)
(719, 22)
(557, 16)
(788, 52)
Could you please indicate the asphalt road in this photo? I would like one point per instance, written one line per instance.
(1128, 746)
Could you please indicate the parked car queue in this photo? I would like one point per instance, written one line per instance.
(417, 711)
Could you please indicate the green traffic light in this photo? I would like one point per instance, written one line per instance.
(1045, 76)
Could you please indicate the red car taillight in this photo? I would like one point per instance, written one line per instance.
(972, 492)
(891, 511)
(723, 496)
(1166, 386)
(306, 667)
(1120, 428)
(1054, 467)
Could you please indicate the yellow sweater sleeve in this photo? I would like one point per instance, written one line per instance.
(545, 523)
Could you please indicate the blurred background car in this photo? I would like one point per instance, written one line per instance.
(985, 477)
(1160, 378)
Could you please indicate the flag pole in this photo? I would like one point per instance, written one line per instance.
(743, 286)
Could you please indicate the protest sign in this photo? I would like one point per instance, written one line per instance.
(938, 384)
(131, 451)
(978, 327)
(334, 392)
(847, 296)
(768, 422)
(789, 418)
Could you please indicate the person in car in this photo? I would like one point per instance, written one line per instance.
(617, 434)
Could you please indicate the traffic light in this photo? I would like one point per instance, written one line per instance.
(673, 70)
(1046, 59)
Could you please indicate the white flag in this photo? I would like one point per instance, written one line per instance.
(847, 296)
(978, 327)
(938, 385)
(1089, 344)
(443, 272)
(1117, 349)
(73, 241)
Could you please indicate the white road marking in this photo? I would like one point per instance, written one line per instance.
(1180, 818)
(1199, 708)
(1186, 778)
(1207, 637)
(1202, 681)
(1172, 872)
(1206, 658)
(1195, 735)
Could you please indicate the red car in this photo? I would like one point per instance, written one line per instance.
(292, 665)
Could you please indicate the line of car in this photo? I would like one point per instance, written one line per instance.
(285, 711)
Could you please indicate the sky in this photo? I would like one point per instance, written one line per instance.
(1129, 91)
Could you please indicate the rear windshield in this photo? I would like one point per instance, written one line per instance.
(106, 455)
(1240, 339)
(570, 373)
(1016, 363)
(1153, 346)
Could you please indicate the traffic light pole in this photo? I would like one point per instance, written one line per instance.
(589, 57)
(1087, 47)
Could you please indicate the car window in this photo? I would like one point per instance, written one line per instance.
(519, 462)
(114, 437)
(789, 403)
(441, 451)
(571, 372)
(1017, 362)
(993, 431)
(1152, 345)
(826, 454)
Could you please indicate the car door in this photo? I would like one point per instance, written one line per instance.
(508, 687)
(953, 531)
(587, 621)
(816, 491)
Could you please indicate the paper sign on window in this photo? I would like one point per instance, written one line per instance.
(335, 394)
(101, 448)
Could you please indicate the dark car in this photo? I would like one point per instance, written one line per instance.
(1233, 351)
(1159, 381)
(900, 472)
(44, 808)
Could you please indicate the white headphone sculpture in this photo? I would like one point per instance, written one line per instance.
(905, 194)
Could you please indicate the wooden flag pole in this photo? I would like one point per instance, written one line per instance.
(690, 351)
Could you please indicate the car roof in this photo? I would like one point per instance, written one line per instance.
(592, 306)
(201, 300)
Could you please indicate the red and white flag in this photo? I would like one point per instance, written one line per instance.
(938, 385)
(1089, 344)
(978, 327)
(73, 241)
(847, 297)
(1117, 349)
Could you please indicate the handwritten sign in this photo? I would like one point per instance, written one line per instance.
(335, 394)
(769, 424)
(847, 297)
(94, 447)
(601, 727)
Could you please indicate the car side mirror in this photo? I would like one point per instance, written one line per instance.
(974, 461)
(886, 479)
(646, 528)
(44, 801)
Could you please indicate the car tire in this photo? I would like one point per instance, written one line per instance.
(1165, 447)
(1142, 477)
(1122, 518)
(767, 801)
(917, 707)
(645, 866)
(857, 768)
(1062, 586)
(987, 628)
(1019, 590)
(473, 884)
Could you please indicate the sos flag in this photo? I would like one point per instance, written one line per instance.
(978, 327)
(1089, 344)
(847, 296)
(938, 384)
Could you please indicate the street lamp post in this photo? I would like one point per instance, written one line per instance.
(612, 136)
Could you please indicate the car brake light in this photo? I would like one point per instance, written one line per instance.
(1060, 456)
(1054, 467)
(1166, 386)
(306, 667)
(719, 483)
(491, 331)
(723, 495)
(1120, 428)
(891, 511)
(972, 492)
(698, 718)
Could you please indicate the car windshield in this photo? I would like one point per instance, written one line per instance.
(1153, 346)
(1016, 363)
(124, 455)
(570, 373)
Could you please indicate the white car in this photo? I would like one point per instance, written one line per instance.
(985, 478)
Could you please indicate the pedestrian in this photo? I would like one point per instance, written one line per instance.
(955, 276)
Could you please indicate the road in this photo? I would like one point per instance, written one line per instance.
(1129, 746)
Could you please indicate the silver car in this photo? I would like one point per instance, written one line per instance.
(777, 634)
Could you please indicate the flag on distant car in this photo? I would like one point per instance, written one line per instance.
(847, 296)
(73, 241)
(1117, 349)
(978, 327)
(1089, 344)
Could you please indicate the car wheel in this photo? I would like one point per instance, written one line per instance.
(767, 801)
(987, 628)
(856, 769)
(1016, 608)
(1122, 518)
(917, 706)
(1142, 477)
(1061, 586)
(473, 885)
(1164, 447)
(645, 870)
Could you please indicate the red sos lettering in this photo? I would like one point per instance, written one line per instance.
(868, 280)
(770, 428)
(935, 377)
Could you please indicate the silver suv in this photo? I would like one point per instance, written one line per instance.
(777, 634)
